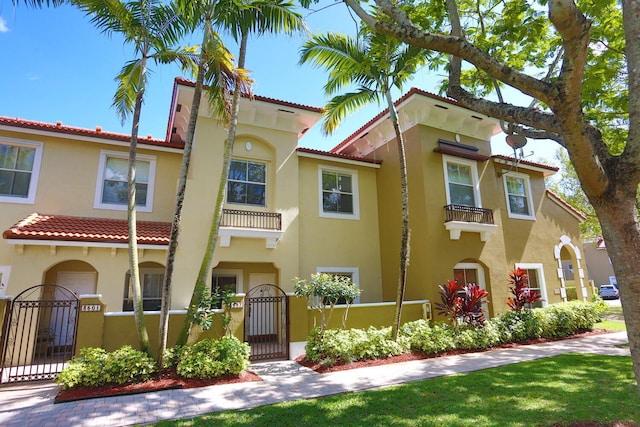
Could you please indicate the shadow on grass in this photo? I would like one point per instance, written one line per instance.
(562, 389)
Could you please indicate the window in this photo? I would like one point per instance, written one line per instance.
(111, 186)
(247, 183)
(19, 169)
(461, 177)
(469, 272)
(536, 281)
(351, 272)
(518, 192)
(151, 283)
(338, 193)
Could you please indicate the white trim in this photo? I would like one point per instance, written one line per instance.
(5, 272)
(86, 138)
(354, 271)
(271, 236)
(456, 228)
(543, 284)
(29, 242)
(232, 271)
(528, 195)
(520, 165)
(355, 215)
(35, 170)
(474, 175)
(331, 158)
(104, 155)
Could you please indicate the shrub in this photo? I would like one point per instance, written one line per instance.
(343, 346)
(522, 325)
(569, 318)
(476, 337)
(213, 358)
(522, 295)
(428, 339)
(324, 291)
(462, 303)
(94, 367)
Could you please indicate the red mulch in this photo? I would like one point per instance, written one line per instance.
(416, 355)
(167, 380)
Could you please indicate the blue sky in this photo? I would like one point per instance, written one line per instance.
(57, 67)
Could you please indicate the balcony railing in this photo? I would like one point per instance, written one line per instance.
(251, 219)
(468, 214)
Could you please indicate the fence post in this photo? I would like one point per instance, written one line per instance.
(90, 332)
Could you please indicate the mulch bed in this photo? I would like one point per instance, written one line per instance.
(167, 380)
(416, 355)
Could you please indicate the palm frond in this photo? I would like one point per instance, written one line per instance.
(341, 106)
(130, 80)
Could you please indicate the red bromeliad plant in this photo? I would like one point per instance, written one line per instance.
(462, 303)
(523, 296)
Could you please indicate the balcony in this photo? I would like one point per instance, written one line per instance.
(459, 218)
(251, 225)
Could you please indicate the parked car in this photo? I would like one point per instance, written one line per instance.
(609, 292)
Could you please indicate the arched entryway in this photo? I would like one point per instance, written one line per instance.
(39, 333)
(266, 326)
(570, 271)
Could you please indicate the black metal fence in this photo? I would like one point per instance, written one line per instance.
(468, 214)
(251, 219)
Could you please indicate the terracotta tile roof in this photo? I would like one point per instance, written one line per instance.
(338, 155)
(185, 82)
(412, 91)
(71, 130)
(526, 162)
(564, 203)
(82, 229)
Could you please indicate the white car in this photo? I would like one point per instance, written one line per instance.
(609, 292)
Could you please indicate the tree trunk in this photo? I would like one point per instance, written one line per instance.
(621, 232)
(177, 213)
(201, 282)
(405, 233)
(141, 328)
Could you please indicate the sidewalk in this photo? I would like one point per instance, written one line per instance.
(32, 404)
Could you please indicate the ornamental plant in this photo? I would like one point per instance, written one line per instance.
(219, 299)
(324, 292)
(523, 296)
(462, 303)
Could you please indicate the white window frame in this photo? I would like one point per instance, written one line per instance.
(231, 272)
(5, 272)
(35, 171)
(266, 183)
(354, 271)
(543, 285)
(355, 215)
(528, 195)
(474, 175)
(142, 272)
(481, 280)
(104, 155)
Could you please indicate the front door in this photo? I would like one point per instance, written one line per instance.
(78, 282)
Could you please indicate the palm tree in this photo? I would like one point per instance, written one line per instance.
(240, 19)
(151, 27)
(215, 68)
(376, 64)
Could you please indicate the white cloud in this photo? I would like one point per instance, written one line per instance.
(3, 25)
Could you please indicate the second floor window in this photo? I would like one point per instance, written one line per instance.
(461, 184)
(111, 191)
(19, 164)
(338, 193)
(518, 192)
(247, 183)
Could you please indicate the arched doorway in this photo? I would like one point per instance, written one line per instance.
(266, 326)
(39, 333)
(570, 271)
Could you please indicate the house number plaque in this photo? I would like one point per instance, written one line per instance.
(91, 307)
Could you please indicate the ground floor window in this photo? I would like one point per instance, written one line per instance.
(351, 272)
(535, 280)
(469, 272)
(151, 283)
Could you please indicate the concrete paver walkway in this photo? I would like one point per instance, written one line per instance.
(32, 404)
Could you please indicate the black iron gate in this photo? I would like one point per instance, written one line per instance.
(38, 334)
(266, 323)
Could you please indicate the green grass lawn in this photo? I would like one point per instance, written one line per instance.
(562, 389)
(611, 325)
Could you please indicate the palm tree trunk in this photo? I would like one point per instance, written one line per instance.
(141, 328)
(405, 234)
(177, 213)
(205, 267)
